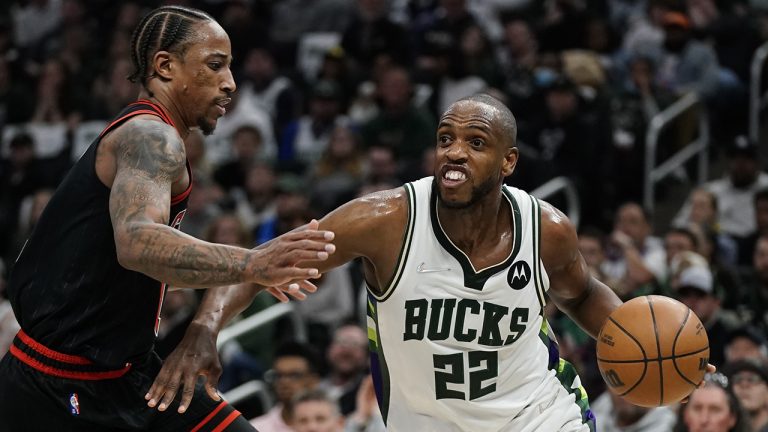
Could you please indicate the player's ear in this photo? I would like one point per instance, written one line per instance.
(510, 161)
(163, 64)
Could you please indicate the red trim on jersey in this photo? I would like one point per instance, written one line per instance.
(230, 418)
(51, 354)
(130, 114)
(209, 416)
(163, 114)
(182, 196)
(61, 373)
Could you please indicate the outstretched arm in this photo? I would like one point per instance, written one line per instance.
(571, 285)
(150, 157)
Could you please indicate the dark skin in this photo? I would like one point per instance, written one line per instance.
(471, 140)
(143, 162)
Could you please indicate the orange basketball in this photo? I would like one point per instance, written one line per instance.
(652, 351)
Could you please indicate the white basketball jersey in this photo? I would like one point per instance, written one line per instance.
(456, 348)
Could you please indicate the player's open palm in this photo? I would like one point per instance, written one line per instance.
(195, 355)
(277, 261)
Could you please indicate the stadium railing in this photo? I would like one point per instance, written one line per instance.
(261, 318)
(696, 147)
(758, 97)
(566, 186)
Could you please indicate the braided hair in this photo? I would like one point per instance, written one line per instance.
(166, 28)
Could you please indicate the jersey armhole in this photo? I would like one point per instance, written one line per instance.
(404, 248)
(539, 274)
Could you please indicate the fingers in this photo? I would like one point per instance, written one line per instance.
(171, 388)
(187, 392)
(276, 293)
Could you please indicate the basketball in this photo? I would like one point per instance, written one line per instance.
(652, 351)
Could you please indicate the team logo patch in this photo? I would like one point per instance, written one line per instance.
(74, 404)
(519, 275)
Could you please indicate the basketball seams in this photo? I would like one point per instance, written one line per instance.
(645, 362)
(674, 346)
(658, 351)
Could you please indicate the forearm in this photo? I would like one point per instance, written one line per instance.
(221, 304)
(591, 310)
(170, 256)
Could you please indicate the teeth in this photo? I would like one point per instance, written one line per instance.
(455, 175)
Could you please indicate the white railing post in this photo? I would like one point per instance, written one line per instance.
(563, 184)
(698, 147)
(261, 318)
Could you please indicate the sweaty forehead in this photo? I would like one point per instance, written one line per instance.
(464, 111)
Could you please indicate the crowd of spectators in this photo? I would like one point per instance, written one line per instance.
(339, 98)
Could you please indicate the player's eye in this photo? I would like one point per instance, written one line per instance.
(215, 65)
(444, 139)
(477, 142)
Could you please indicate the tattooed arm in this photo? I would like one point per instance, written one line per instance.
(150, 157)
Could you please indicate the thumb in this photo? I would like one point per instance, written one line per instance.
(313, 224)
(210, 388)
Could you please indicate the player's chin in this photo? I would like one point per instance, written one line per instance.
(207, 125)
(452, 199)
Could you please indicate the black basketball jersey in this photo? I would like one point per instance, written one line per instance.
(67, 288)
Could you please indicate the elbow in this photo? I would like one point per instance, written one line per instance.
(126, 253)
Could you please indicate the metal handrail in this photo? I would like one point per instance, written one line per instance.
(755, 90)
(696, 147)
(262, 318)
(565, 185)
(248, 389)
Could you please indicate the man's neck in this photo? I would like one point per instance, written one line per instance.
(472, 227)
(171, 107)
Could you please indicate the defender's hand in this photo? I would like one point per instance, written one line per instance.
(295, 290)
(710, 370)
(196, 355)
(274, 263)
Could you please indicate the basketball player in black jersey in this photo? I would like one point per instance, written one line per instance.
(88, 286)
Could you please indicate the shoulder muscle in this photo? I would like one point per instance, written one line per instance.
(149, 148)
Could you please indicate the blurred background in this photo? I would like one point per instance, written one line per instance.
(641, 119)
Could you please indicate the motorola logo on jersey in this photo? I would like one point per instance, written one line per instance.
(519, 275)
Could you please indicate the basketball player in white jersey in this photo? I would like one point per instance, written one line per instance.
(458, 268)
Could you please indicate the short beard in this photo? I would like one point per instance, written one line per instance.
(478, 193)
(205, 127)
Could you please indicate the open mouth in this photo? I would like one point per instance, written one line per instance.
(222, 105)
(453, 176)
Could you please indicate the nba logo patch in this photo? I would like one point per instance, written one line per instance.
(74, 404)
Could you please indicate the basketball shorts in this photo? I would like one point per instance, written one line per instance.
(44, 390)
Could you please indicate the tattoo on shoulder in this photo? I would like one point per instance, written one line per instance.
(150, 148)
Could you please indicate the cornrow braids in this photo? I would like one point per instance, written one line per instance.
(164, 29)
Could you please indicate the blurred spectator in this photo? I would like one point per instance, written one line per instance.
(241, 112)
(636, 259)
(704, 214)
(638, 98)
(754, 304)
(712, 408)
(55, 101)
(327, 308)
(304, 140)
(563, 25)
(442, 31)
(291, 19)
(467, 69)
(293, 371)
(255, 202)
(347, 358)
(567, 138)
(686, 63)
(746, 343)
(194, 146)
(339, 172)
(35, 20)
(201, 207)
(248, 145)
(735, 192)
(371, 33)
(112, 92)
(262, 86)
(592, 248)
(366, 417)
(15, 104)
(401, 126)
(315, 411)
(694, 286)
(382, 165)
(518, 58)
(291, 209)
(749, 381)
(761, 222)
(614, 414)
